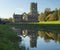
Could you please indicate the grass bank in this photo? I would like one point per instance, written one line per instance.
(39, 26)
(48, 22)
(8, 38)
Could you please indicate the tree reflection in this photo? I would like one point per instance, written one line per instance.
(33, 34)
(49, 36)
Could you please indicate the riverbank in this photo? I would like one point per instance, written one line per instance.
(38, 26)
(8, 38)
(48, 22)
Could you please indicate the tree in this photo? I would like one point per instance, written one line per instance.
(59, 14)
(50, 17)
(47, 11)
(10, 19)
(55, 14)
(41, 17)
(0, 19)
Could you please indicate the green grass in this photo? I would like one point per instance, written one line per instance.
(48, 22)
(8, 38)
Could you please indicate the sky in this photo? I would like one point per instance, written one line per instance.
(9, 7)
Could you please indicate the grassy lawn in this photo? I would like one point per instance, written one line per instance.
(8, 38)
(48, 22)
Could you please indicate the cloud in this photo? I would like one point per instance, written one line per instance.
(19, 10)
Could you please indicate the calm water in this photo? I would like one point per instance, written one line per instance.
(39, 39)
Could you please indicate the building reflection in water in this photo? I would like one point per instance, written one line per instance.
(33, 37)
(34, 34)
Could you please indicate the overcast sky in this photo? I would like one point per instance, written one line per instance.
(8, 7)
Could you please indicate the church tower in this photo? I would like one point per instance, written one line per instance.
(33, 9)
(33, 12)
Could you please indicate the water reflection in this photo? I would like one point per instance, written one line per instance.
(49, 36)
(39, 39)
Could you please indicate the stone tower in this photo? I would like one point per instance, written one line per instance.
(33, 12)
(33, 8)
(32, 16)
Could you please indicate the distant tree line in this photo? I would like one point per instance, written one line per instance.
(4, 21)
(49, 15)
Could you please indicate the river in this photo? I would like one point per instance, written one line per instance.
(39, 38)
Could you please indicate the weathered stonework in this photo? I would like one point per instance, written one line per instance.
(31, 17)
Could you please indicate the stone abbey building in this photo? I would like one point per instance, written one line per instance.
(32, 16)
